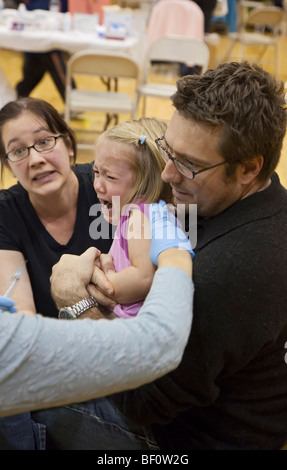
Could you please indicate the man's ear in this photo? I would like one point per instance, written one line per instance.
(251, 169)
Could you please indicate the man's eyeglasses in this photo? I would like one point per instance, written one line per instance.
(43, 145)
(184, 168)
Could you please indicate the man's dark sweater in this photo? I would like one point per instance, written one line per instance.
(230, 390)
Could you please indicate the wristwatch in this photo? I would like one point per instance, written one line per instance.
(73, 312)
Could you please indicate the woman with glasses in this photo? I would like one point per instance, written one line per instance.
(47, 213)
(42, 217)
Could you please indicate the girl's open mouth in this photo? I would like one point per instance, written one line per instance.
(105, 204)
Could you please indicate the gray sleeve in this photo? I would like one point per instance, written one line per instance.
(47, 362)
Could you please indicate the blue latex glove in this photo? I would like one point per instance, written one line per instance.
(7, 305)
(165, 232)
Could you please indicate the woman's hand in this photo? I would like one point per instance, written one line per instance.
(165, 232)
(7, 305)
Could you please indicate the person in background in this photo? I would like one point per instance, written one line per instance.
(221, 149)
(36, 64)
(207, 7)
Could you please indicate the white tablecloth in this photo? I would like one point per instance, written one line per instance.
(72, 41)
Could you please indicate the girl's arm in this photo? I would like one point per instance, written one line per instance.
(133, 283)
(10, 262)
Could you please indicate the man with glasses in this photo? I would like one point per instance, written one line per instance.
(184, 167)
(221, 149)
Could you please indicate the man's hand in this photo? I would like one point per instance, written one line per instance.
(77, 277)
(71, 277)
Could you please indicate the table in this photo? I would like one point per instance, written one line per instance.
(71, 41)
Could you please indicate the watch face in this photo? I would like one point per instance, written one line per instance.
(66, 313)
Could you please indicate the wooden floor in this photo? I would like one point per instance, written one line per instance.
(92, 125)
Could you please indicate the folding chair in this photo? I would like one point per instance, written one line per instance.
(107, 67)
(171, 49)
(258, 18)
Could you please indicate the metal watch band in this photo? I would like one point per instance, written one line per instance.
(83, 305)
(80, 307)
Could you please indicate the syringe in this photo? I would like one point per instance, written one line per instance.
(14, 279)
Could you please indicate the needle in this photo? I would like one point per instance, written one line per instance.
(14, 279)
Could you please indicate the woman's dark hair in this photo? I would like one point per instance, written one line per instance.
(43, 110)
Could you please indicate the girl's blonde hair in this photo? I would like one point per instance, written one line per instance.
(139, 136)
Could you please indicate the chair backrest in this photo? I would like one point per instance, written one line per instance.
(106, 64)
(179, 49)
(176, 17)
(271, 16)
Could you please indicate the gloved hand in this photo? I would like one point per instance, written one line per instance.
(165, 232)
(7, 305)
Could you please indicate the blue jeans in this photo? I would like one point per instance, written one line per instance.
(93, 425)
(20, 432)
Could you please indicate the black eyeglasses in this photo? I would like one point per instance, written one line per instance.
(183, 168)
(43, 145)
